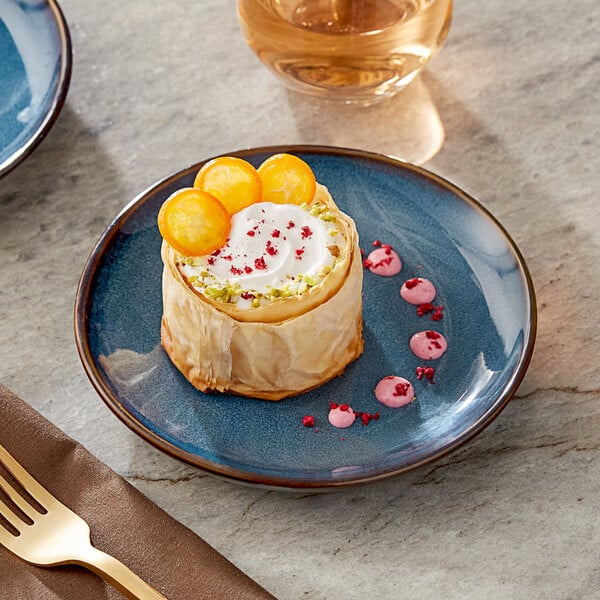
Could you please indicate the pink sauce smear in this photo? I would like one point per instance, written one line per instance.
(341, 416)
(384, 261)
(394, 391)
(428, 345)
(418, 291)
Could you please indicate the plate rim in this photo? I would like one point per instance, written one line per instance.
(58, 100)
(270, 481)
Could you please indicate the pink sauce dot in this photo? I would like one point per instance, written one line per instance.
(418, 291)
(428, 345)
(384, 261)
(341, 418)
(394, 391)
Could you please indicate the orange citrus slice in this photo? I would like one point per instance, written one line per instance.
(287, 179)
(193, 222)
(231, 180)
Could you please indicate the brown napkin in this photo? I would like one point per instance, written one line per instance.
(123, 522)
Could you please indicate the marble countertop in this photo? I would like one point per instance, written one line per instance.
(509, 112)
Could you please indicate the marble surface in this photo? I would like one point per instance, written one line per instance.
(508, 111)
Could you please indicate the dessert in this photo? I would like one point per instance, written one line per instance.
(267, 302)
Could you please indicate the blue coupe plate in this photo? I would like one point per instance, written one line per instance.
(440, 232)
(35, 70)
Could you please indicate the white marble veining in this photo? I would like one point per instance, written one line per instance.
(508, 111)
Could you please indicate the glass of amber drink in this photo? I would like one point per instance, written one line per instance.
(354, 51)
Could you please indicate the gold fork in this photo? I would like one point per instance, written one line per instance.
(58, 536)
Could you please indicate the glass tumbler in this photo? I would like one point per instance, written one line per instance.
(355, 51)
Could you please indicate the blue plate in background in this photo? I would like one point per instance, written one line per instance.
(440, 233)
(35, 70)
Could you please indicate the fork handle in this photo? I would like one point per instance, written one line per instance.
(118, 575)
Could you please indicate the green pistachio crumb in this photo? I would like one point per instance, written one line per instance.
(214, 292)
(228, 293)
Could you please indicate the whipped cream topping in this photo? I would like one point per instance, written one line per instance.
(273, 251)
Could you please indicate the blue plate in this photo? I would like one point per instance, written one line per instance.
(35, 70)
(440, 233)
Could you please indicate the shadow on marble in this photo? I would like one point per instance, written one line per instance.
(53, 207)
(406, 126)
(53, 187)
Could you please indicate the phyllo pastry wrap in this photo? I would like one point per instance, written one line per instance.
(276, 310)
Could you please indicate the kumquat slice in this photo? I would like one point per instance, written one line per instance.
(233, 181)
(287, 179)
(194, 222)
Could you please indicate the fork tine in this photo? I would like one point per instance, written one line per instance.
(10, 491)
(37, 492)
(11, 517)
